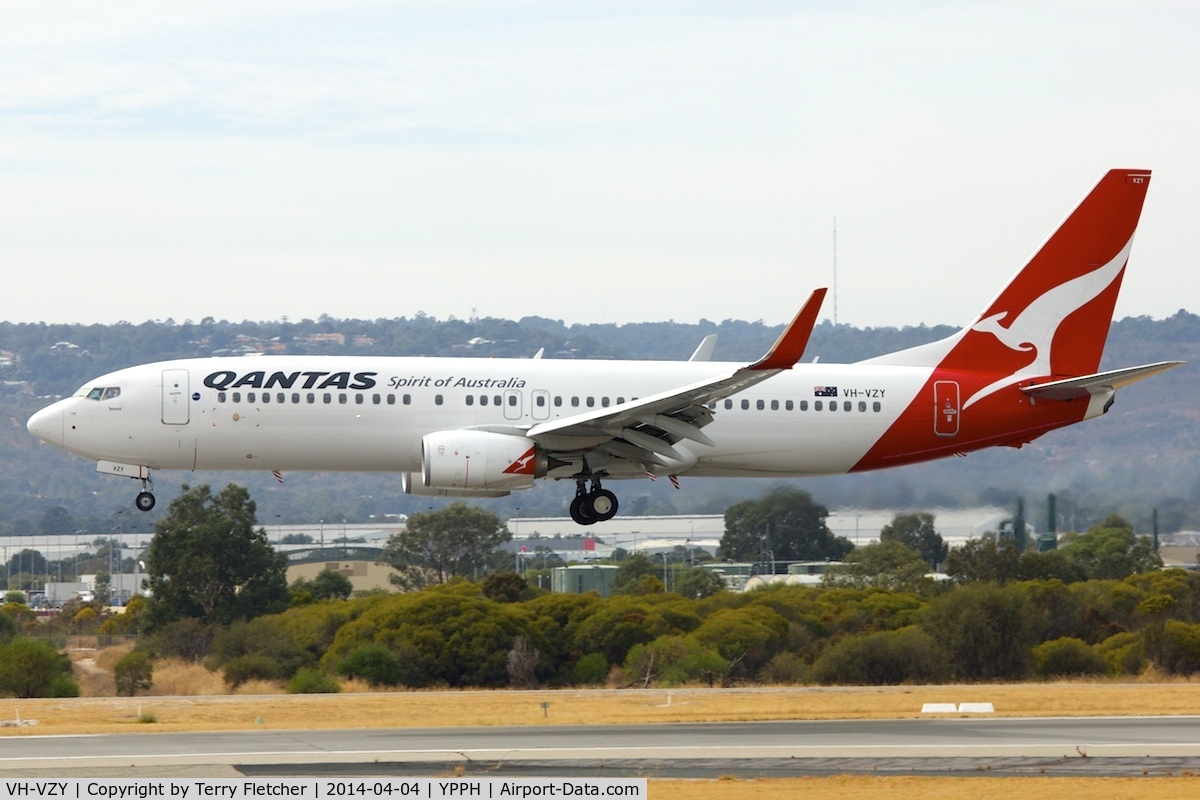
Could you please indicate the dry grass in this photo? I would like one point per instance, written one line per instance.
(178, 678)
(573, 707)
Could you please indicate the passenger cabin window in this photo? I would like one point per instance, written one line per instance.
(471, 400)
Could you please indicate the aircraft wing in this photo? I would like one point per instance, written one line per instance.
(1095, 384)
(646, 428)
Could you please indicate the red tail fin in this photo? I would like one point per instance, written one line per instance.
(1053, 317)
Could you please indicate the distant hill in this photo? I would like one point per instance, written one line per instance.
(1138, 457)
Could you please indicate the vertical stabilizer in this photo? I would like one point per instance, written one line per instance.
(1052, 318)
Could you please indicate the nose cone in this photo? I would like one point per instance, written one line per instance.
(47, 425)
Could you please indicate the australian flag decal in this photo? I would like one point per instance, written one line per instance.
(825, 391)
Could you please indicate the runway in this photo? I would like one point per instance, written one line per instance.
(1077, 745)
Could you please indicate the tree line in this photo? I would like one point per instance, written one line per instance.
(1100, 605)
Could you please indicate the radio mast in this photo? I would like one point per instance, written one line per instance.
(835, 272)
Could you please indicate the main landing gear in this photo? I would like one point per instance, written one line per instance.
(590, 507)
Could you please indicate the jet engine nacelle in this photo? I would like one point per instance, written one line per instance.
(414, 485)
(480, 460)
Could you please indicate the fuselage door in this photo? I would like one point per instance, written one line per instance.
(512, 404)
(175, 390)
(945, 408)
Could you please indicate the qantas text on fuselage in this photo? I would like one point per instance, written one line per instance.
(457, 427)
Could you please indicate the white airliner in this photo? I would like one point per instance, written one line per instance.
(457, 427)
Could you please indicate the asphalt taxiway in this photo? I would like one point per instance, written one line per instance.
(1060, 746)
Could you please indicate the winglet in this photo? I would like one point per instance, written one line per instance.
(789, 347)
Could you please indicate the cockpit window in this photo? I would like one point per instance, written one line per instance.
(111, 392)
(95, 394)
(100, 392)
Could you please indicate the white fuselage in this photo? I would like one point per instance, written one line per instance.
(329, 413)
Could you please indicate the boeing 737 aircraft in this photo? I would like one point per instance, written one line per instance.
(457, 427)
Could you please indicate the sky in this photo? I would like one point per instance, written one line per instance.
(583, 161)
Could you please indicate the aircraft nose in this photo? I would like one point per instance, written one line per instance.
(47, 425)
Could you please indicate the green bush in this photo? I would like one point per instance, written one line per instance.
(373, 663)
(787, 669)
(30, 668)
(673, 660)
(133, 672)
(248, 668)
(263, 637)
(1181, 648)
(1068, 656)
(908, 655)
(591, 670)
(187, 638)
(448, 634)
(988, 630)
(1124, 652)
(312, 681)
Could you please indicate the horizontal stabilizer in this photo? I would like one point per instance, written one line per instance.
(1088, 385)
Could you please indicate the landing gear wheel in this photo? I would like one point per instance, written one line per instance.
(144, 501)
(581, 510)
(604, 504)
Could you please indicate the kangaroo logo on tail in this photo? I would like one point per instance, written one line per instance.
(1034, 328)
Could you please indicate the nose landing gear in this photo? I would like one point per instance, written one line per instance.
(590, 507)
(144, 501)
